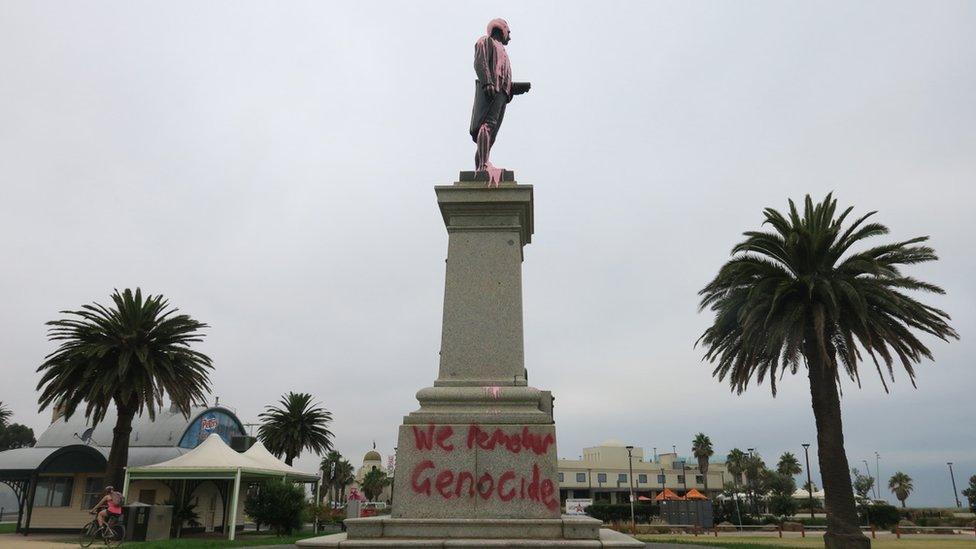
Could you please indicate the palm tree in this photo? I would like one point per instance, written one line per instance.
(901, 485)
(788, 465)
(701, 447)
(799, 296)
(297, 425)
(328, 466)
(5, 414)
(373, 483)
(345, 476)
(735, 463)
(755, 470)
(128, 356)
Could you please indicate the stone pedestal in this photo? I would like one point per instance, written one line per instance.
(476, 463)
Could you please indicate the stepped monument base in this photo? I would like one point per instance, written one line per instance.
(476, 463)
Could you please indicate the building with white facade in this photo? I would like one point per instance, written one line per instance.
(603, 473)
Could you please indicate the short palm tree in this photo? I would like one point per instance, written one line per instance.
(799, 295)
(5, 414)
(374, 481)
(345, 476)
(297, 425)
(127, 356)
(901, 485)
(735, 463)
(702, 449)
(788, 465)
(329, 466)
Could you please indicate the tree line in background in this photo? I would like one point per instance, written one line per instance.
(13, 435)
(757, 493)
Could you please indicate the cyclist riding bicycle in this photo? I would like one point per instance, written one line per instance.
(109, 506)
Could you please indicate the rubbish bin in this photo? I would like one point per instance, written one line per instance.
(136, 521)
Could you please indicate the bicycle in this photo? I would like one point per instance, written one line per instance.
(112, 534)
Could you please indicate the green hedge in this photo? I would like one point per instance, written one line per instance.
(620, 512)
(882, 516)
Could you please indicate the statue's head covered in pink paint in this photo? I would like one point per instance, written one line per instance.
(502, 26)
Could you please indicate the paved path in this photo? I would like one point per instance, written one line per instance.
(648, 546)
(17, 541)
(676, 546)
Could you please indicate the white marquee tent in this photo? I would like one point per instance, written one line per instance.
(214, 460)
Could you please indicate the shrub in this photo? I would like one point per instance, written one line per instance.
(881, 516)
(782, 506)
(807, 521)
(620, 512)
(278, 504)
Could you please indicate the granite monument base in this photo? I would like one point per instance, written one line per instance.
(386, 532)
(476, 463)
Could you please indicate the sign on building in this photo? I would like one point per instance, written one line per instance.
(577, 506)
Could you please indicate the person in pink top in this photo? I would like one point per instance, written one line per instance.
(109, 505)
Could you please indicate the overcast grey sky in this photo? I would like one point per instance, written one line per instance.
(268, 167)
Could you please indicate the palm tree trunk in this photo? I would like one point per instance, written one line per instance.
(843, 531)
(118, 456)
(704, 472)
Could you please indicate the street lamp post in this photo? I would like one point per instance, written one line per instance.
(806, 452)
(877, 470)
(750, 481)
(630, 463)
(955, 493)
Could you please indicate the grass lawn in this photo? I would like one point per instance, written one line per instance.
(757, 542)
(7, 528)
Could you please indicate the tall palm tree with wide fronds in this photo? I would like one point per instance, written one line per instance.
(127, 356)
(297, 425)
(901, 485)
(702, 449)
(801, 295)
(788, 465)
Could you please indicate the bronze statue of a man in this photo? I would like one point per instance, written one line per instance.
(493, 91)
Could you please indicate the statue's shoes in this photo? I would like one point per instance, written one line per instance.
(494, 174)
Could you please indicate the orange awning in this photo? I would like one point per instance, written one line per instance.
(695, 494)
(667, 494)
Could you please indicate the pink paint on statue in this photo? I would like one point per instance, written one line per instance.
(502, 71)
(493, 391)
(494, 174)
